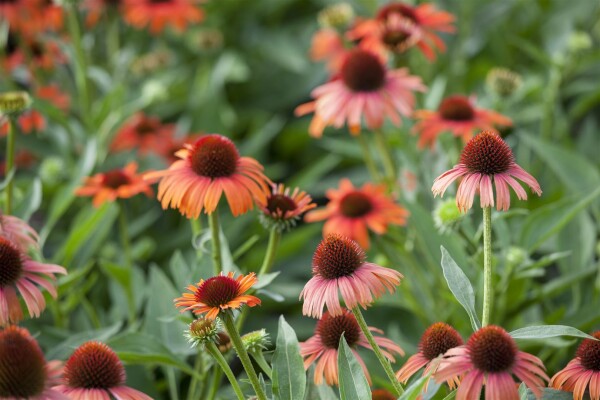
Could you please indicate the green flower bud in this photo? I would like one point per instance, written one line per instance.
(202, 331)
(336, 16)
(256, 340)
(503, 82)
(14, 103)
(447, 215)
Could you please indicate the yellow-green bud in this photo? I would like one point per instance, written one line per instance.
(336, 16)
(14, 103)
(447, 215)
(256, 340)
(202, 331)
(503, 82)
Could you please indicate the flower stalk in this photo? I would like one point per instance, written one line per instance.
(10, 162)
(213, 221)
(220, 360)
(388, 162)
(488, 294)
(274, 238)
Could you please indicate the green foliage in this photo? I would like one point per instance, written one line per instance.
(289, 377)
(353, 382)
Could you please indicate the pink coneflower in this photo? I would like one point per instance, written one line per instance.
(24, 372)
(94, 371)
(399, 26)
(328, 45)
(364, 87)
(21, 272)
(339, 266)
(582, 372)
(19, 231)
(485, 161)
(281, 209)
(456, 114)
(490, 358)
(207, 169)
(323, 346)
(354, 211)
(436, 340)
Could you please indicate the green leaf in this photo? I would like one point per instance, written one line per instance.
(289, 377)
(460, 287)
(547, 221)
(547, 394)
(415, 390)
(63, 350)
(353, 382)
(318, 392)
(266, 279)
(32, 200)
(451, 395)
(548, 331)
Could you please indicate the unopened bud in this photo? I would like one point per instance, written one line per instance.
(336, 16)
(14, 103)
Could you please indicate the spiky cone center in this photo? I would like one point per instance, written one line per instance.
(438, 339)
(487, 154)
(94, 365)
(217, 291)
(363, 71)
(492, 349)
(14, 102)
(355, 204)
(115, 179)
(456, 108)
(331, 328)
(280, 203)
(214, 156)
(202, 331)
(589, 353)
(22, 366)
(337, 256)
(11, 264)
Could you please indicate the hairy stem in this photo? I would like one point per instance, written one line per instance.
(488, 292)
(216, 354)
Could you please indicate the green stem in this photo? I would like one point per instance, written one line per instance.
(174, 395)
(388, 162)
(259, 357)
(81, 80)
(124, 234)
(214, 384)
(194, 383)
(213, 351)
(213, 221)
(364, 146)
(242, 354)
(385, 363)
(488, 293)
(274, 238)
(10, 162)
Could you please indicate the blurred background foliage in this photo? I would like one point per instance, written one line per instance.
(241, 73)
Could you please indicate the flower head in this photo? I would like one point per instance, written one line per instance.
(20, 272)
(94, 371)
(337, 15)
(437, 340)
(19, 231)
(217, 294)
(581, 371)
(323, 346)
(202, 331)
(24, 372)
(256, 341)
(206, 169)
(12, 103)
(114, 184)
(356, 211)
(281, 209)
(363, 87)
(485, 161)
(158, 14)
(503, 82)
(399, 26)
(339, 265)
(456, 114)
(490, 358)
(145, 133)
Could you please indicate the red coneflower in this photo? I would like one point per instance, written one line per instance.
(328, 45)
(94, 371)
(490, 358)
(456, 114)
(436, 340)
(485, 161)
(323, 346)
(32, 53)
(339, 265)
(364, 87)
(217, 294)
(53, 95)
(145, 133)
(581, 372)
(24, 372)
(117, 183)
(158, 14)
(282, 209)
(353, 212)
(399, 26)
(207, 169)
(21, 272)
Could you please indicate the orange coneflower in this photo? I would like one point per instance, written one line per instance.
(28, 122)
(94, 371)
(322, 348)
(157, 14)
(97, 8)
(457, 114)
(282, 209)
(486, 161)
(217, 294)
(354, 211)
(365, 88)
(54, 95)
(399, 26)
(24, 372)
(491, 358)
(145, 133)
(339, 266)
(31, 53)
(581, 372)
(207, 169)
(117, 183)
(328, 45)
